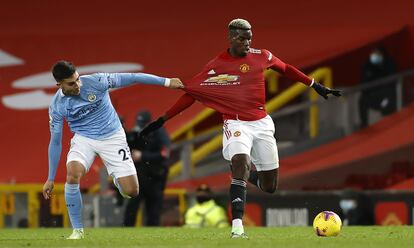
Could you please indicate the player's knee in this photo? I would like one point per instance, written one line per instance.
(269, 188)
(74, 172)
(240, 166)
(131, 191)
(73, 177)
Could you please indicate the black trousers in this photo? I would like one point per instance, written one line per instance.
(373, 100)
(152, 194)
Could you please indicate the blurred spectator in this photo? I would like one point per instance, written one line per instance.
(206, 212)
(150, 157)
(357, 209)
(381, 98)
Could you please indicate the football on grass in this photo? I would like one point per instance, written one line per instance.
(327, 224)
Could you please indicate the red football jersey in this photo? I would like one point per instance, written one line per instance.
(235, 87)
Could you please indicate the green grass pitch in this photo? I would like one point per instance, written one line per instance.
(259, 237)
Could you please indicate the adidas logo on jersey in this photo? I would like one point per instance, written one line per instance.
(237, 200)
(211, 72)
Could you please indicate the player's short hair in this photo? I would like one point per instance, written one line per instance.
(239, 24)
(62, 70)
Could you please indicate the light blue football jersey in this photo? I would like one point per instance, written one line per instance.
(91, 113)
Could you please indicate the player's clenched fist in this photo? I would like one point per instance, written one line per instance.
(175, 83)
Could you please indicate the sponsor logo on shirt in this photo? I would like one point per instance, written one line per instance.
(211, 72)
(244, 68)
(256, 51)
(88, 109)
(222, 79)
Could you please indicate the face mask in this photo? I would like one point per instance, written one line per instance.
(137, 129)
(203, 198)
(347, 204)
(375, 58)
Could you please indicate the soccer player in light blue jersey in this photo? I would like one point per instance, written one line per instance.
(85, 104)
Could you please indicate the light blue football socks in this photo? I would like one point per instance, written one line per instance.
(73, 200)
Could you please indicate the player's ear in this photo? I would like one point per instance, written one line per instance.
(229, 37)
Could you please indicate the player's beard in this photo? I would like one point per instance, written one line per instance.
(73, 92)
(243, 52)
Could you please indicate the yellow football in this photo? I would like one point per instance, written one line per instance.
(327, 224)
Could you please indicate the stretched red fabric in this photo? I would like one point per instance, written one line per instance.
(182, 103)
(235, 86)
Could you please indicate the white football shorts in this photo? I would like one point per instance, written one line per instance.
(254, 138)
(114, 152)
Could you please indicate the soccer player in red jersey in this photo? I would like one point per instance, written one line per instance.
(233, 84)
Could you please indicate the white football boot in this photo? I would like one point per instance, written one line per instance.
(77, 234)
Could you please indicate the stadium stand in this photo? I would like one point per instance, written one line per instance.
(32, 40)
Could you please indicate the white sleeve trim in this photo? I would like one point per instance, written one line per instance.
(313, 81)
(167, 82)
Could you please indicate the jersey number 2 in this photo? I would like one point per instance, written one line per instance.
(123, 152)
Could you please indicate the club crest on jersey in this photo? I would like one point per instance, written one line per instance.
(237, 134)
(91, 97)
(244, 68)
(222, 79)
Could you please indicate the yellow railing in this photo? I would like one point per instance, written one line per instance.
(57, 202)
(57, 207)
(188, 128)
(323, 75)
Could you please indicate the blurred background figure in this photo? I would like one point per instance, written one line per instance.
(150, 156)
(382, 98)
(356, 209)
(206, 212)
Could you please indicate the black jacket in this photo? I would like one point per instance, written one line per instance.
(155, 150)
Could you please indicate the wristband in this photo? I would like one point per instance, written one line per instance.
(167, 82)
(313, 81)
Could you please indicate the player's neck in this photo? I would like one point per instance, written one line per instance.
(233, 53)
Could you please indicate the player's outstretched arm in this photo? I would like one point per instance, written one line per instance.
(117, 80)
(184, 102)
(293, 73)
